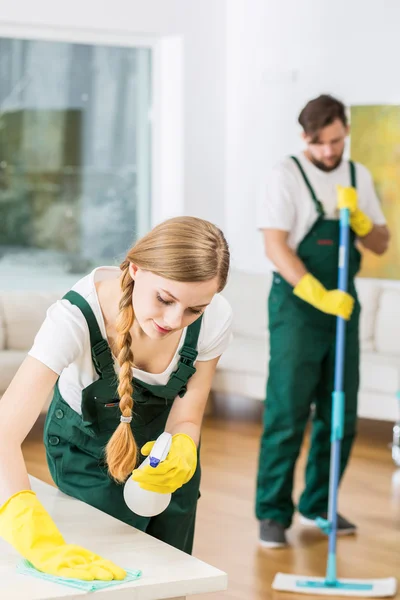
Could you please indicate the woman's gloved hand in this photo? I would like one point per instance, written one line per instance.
(359, 222)
(172, 473)
(333, 302)
(27, 526)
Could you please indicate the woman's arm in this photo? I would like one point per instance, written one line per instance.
(24, 522)
(187, 413)
(184, 423)
(20, 407)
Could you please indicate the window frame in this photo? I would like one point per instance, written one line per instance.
(166, 111)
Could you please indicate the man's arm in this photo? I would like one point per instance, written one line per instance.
(284, 258)
(377, 240)
(306, 287)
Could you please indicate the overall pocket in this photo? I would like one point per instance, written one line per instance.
(100, 406)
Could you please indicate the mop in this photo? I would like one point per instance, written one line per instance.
(331, 585)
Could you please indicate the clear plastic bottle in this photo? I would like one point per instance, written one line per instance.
(143, 502)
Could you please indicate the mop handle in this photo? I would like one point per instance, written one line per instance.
(344, 243)
(338, 399)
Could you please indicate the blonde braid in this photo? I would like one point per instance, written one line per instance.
(121, 450)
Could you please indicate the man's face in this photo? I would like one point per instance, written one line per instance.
(325, 148)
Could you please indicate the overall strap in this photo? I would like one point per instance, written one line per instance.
(317, 203)
(188, 354)
(177, 383)
(188, 351)
(353, 176)
(101, 352)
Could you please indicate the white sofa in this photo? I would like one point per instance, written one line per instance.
(242, 370)
(21, 314)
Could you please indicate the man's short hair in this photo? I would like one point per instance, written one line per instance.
(320, 112)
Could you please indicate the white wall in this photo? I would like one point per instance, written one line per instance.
(250, 65)
(281, 53)
(202, 27)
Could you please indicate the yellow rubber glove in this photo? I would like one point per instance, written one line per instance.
(172, 473)
(27, 526)
(359, 222)
(334, 302)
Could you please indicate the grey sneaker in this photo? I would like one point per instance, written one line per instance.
(272, 534)
(344, 527)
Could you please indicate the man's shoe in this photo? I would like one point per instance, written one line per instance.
(272, 534)
(344, 527)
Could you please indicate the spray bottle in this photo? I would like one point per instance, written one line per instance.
(143, 502)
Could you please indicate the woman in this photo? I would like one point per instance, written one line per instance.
(131, 352)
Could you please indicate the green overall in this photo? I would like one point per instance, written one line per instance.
(301, 374)
(75, 443)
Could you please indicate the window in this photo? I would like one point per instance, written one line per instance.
(75, 150)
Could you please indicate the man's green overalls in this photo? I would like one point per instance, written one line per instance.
(75, 443)
(301, 373)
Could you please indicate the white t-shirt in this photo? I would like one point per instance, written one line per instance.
(286, 204)
(63, 342)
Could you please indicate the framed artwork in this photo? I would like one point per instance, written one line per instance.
(375, 142)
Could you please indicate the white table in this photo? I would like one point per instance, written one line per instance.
(167, 572)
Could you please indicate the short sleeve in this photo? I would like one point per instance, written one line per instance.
(61, 338)
(216, 329)
(276, 201)
(368, 200)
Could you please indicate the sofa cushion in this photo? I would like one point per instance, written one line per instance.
(247, 294)
(246, 355)
(2, 326)
(24, 314)
(387, 324)
(368, 293)
(239, 384)
(10, 361)
(380, 373)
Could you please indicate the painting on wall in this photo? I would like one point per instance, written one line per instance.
(375, 142)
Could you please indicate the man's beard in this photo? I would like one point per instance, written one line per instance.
(322, 166)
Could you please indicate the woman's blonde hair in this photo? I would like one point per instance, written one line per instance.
(181, 249)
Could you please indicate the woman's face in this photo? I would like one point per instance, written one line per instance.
(163, 306)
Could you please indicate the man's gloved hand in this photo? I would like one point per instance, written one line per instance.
(27, 526)
(172, 473)
(334, 302)
(359, 222)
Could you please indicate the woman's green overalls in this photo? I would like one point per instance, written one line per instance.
(75, 443)
(301, 373)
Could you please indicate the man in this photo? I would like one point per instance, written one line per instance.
(299, 221)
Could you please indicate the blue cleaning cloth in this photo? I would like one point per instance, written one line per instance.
(26, 568)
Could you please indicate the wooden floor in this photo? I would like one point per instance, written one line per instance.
(226, 535)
